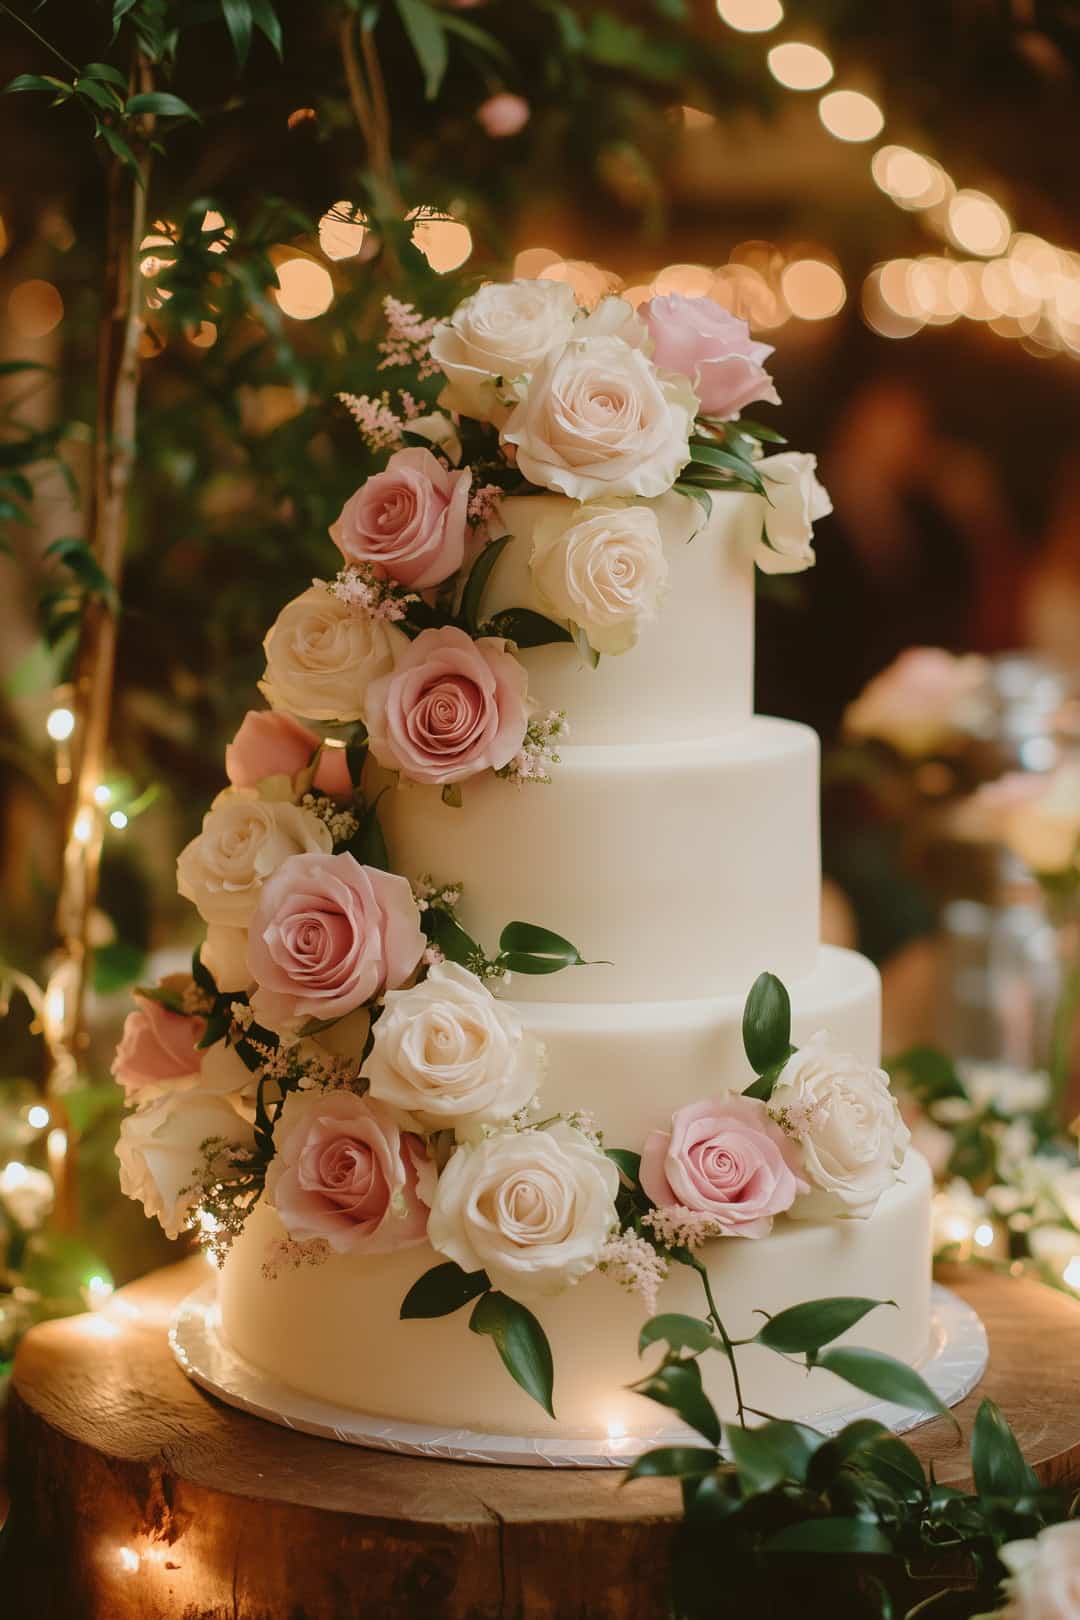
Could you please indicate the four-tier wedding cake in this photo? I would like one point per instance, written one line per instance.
(469, 1043)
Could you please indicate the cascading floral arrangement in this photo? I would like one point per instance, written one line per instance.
(337, 1048)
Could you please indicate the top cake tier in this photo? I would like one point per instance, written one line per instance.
(691, 673)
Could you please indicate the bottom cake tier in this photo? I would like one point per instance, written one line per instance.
(333, 1331)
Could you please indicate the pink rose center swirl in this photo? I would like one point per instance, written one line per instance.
(449, 715)
(347, 1173)
(722, 1169)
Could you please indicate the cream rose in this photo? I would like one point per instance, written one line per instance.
(224, 956)
(923, 701)
(166, 1146)
(603, 567)
(446, 1053)
(321, 656)
(849, 1127)
(1044, 1575)
(599, 419)
(796, 501)
(497, 337)
(531, 1208)
(244, 839)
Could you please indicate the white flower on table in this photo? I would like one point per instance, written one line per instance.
(532, 1208)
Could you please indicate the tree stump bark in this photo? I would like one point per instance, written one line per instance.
(137, 1497)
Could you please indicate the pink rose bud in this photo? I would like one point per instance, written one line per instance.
(269, 743)
(504, 114)
(158, 1049)
(329, 935)
(724, 1158)
(344, 1171)
(408, 522)
(450, 708)
(705, 342)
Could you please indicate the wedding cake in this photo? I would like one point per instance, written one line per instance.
(469, 1043)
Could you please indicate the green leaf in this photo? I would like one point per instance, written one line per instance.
(161, 103)
(766, 1025)
(101, 95)
(930, 1074)
(526, 628)
(119, 147)
(766, 1456)
(447, 933)
(758, 430)
(266, 20)
(525, 948)
(817, 1322)
(109, 75)
(678, 1386)
(37, 81)
(451, 795)
(76, 555)
(521, 1343)
(708, 455)
(368, 844)
(119, 12)
(762, 1087)
(673, 1462)
(8, 368)
(427, 36)
(628, 1163)
(442, 1290)
(997, 1463)
(356, 753)
(679, 1333)
(202, 975)
(477, 36)
(830, 1536)
(239, 20)
(868, 1445)
(584, 646)
(701, 496)
(476, 583)
(883, 1376)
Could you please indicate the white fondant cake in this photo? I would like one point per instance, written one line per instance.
(682, 850)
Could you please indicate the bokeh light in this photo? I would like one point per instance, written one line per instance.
(750, 16)
(342, 230)
(304, 289)
(909, 178)
(812, 289)
(36, 308)
(445, 243)
(878, 309)
(851, 116)
(60, 724)
(532, 262)
(978, 224)
(696, 118)
(692, 280)
(590, 282)
(203, 336)
(799, 67)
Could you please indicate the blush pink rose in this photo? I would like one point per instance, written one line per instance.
(705, 342)
(157, 1049)
(269, 743)
(725, 1159)
(408, 522)
(328, 935)
(503, 114)
(344, 1171)
(451, 707)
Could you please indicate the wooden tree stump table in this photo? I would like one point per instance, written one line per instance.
(137, 1497)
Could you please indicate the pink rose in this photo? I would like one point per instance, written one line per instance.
(158, 1048)
(269, 743)
(705, 342)
(328, 935)
(450, 708)
(409, 522)
(343, 1170)
(724, 1158)
(503, 114)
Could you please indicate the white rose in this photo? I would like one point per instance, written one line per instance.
(603, 567)
(599, 419)
(922, 701)
(532, 1208)
(163, 1151)
(1044, 1575)
(26, 1194)
(1044, 830)
(224, 956)
(614, 317)
(796, 501)
(502, 331)
(244, 839)
(223, 1073)
(446, 1053)
(848, 1124)
(321, 656)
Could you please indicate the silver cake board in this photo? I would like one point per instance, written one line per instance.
(955, 1361)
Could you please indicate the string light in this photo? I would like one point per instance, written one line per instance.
(813, 289)
(750, 16)
(60, 724)
(305, 289)
(983, 1235)
(103, 794)
(128, 1559)
(342, 230)
(445, 242)
(37, 1117)
(850, 116)
(976, 223)
(36, 308)
(118, 820)
(799, 67)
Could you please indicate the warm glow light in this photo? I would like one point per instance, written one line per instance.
(82, 827)
(37, 1117)
(128, 1559)
(750, 16)
(118, 820)
(978, 224)
(97, 1291)
(851, 116)
(162, 235)
(204, 336)
(213, 221)
(35, 307)
(342, 230)
(532, 262)
(911, 180)
(1071, 1274)
(813, 289)
(983, 1234)
(60, 724)
(13, 1175)
(692, 280)
(304, 289)
(931, 285)
(590, 282)
(445, 243)
(955, 1229)
(695, 118)
(638, 294)
(893, 281)
(616, 1430)
(102, 794)
(799, 67)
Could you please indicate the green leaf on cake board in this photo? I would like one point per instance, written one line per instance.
(442, 1290)
(816, 1323)
(526, 948)
(881, 1375)
(476, 583)
(766, 1025)
(521, 1343)
(997, 1464)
